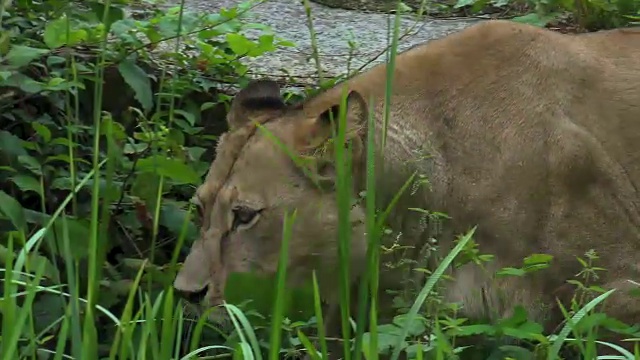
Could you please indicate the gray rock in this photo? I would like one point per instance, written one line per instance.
(334, 29)
(382, 5)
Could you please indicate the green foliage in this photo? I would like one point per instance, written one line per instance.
(588, 14)
(531, 263)
(102, 144)
(157, 123)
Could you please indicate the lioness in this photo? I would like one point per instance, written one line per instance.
(532, 135)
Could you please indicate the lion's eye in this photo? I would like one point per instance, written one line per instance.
(243, 215)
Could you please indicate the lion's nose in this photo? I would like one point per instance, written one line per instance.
(193, 296)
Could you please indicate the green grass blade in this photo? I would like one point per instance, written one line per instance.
(246, 344)
(311, 350)
(11, 339)
(62, 335)
(320, 321)
(278, 307)
(343, 200)
(391, 65)
(195, 352)
(568, 327)
(427, 289)
(74, 306)
(369, 283)
(34, 240)
(9, 306)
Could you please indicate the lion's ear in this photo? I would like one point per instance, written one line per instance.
(315, 139)
(260, 98)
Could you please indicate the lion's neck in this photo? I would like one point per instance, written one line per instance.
(406, 155)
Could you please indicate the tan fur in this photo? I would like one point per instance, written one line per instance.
(531, 135)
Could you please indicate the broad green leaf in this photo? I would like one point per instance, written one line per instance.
(145, 187)
(24, 83)
(258, 292)
(30, 163)
(27, 183)
(196, 152)
(173, 217)
(11, 144)
(56, 34)
(468, 330)
(5, 42)
(171, 168)
(66, 159)
(265, 44)
(518, 317)
(62, 141)
(385, 342)
(113, 13)
(12, 209)
(509, 271)
(521, 334)
(33, 261)
(531, 327)
(412, 350)
(512, 352)
(79, 231)
(462, 3)
(389, 329)
(535, 19)
(138, 80)
(388, 336)
(135, 148)
(62, 183)
(619, 326)
(535, 259)
(57, 84)
(535, 267)
(286, 43)
(50, 271)
(239, 44)
(55, 60)
(42, 130)
(47, 309)
(21, 55)
(176, 138)
(117, 129)
(191, 119)
(417, 326)
(207, 105)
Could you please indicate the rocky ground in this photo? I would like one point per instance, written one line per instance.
(334, 29)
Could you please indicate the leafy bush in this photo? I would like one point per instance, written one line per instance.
(103, 138)
(588, 14)
(156, 116)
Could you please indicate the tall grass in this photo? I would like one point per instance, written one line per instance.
(152, 328)
(151, 331)
(160, 320)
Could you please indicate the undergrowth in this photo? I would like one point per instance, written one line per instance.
(103, 140)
